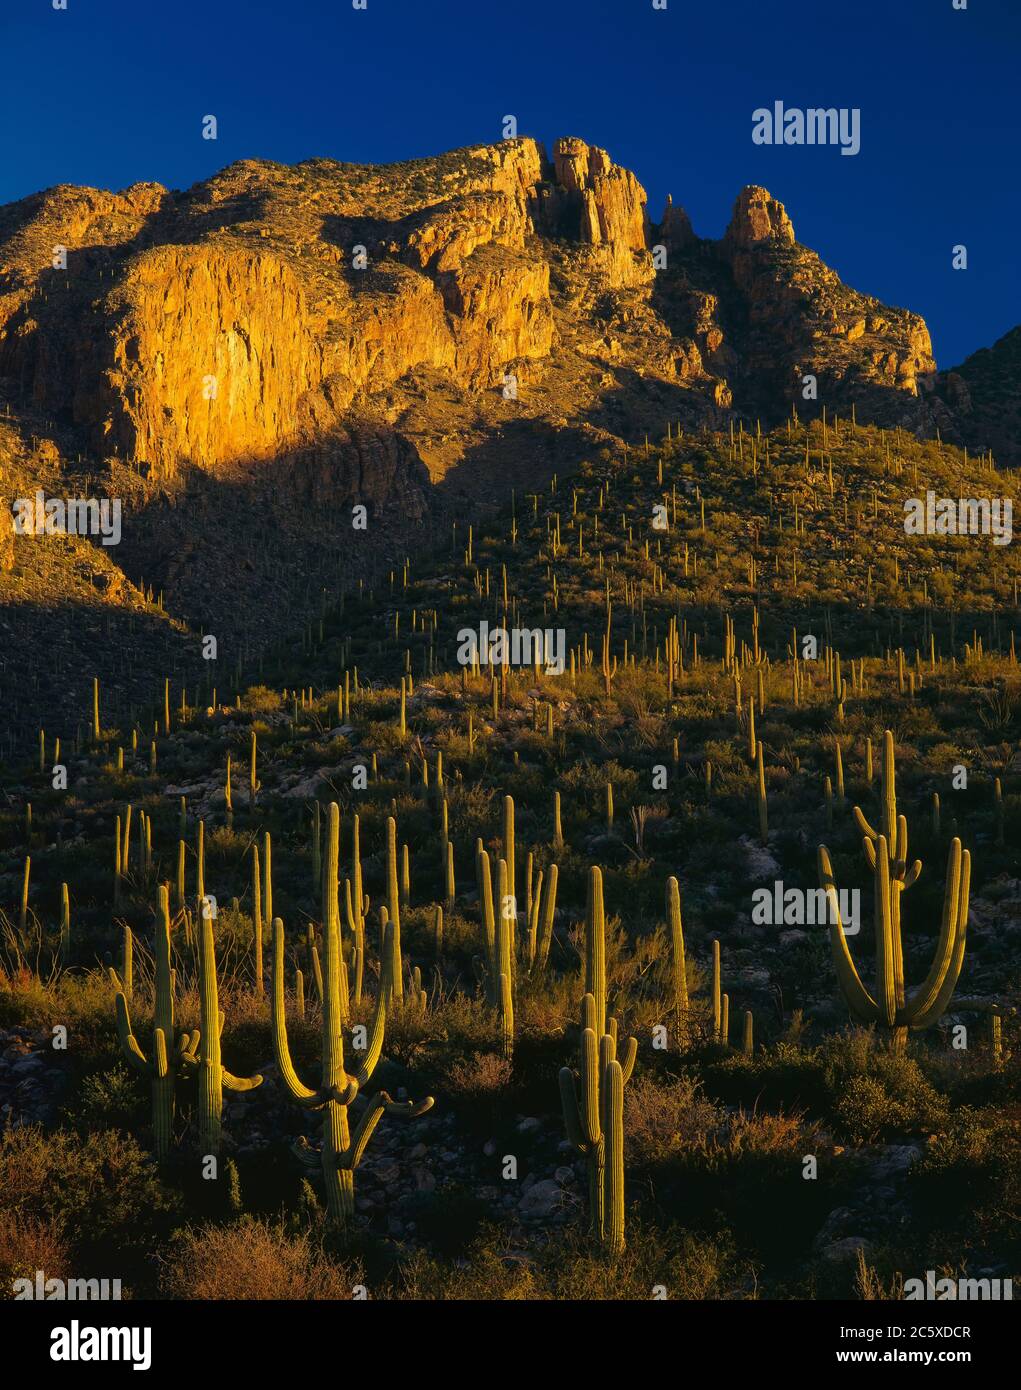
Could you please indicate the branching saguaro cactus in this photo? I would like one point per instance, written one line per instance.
(595, 1120)
(214, 1078)
(163, 1066)
(887, 853)
(341, 1150)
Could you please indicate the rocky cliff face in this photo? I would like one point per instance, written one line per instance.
(803, 321)
(599, 204)
(982, 398)
(283, 343)
(252, 314)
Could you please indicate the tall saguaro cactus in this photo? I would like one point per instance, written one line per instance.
(508, 846)
(678, 964)
(891, 1005)
(214, 1078)
(595, 1120)
(499, 923)
(341, 1149)
(393, 905)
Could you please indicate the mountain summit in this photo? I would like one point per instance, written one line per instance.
(270, 306)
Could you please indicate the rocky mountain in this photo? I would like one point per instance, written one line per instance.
(984, 395)
(244, 362)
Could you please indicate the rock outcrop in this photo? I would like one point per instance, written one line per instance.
(209, 353)
(802, 321)
(982, 397)
(603, 206)
(279, 343)
(675, 229)
(757, 217)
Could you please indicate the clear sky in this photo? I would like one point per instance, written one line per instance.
(109, 92)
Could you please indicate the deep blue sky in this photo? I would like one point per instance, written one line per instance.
(113, 91)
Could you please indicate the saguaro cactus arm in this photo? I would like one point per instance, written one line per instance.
(613, 1084)
(377, 1032)
(161, 1068)
(546, 914)
(630, 1057)
(240, 1083)
(133, 1053)
(304, 1095)
(859, 1000)
(572, 1109)
(889, 824)
(212, 1076)
(595, 948)
(379, 1105)
(886, 955)
(933, 995)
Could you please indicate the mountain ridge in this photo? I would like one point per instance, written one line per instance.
(247, 360)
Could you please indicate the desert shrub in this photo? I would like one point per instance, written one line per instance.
(660, 1120)
(110, 1100)
(259, 699)
(101, 1190)
(482, 1074)
(968, 1182)
(28, 1244)
(253, 1259)
(876, 1093)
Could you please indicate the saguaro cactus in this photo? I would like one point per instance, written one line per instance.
(679, 974)
(887, 853)
(393, 905)
(214, 1077)
(257, 919)
(124, 982)
(540, 921)
(499, 925)
(595, 1120)
(595, 1123)
(163, 1065)
(509, 854)
(341, 1150)
(253, 781)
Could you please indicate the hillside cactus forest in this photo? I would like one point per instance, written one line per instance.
(606, 972)
(510, 680)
